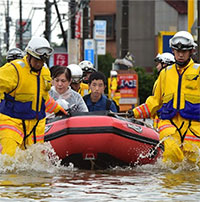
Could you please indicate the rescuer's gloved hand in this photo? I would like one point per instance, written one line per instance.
(130, 113)
(61, 112)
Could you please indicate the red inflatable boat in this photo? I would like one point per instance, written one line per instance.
(100, 140)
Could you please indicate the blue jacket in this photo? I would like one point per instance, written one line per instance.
(100, 105)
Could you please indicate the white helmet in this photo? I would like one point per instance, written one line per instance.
(76, 72)
(182, 41)
(165, 58)
(14, 53)
(39, 48)
(87, 66)
(113, 73)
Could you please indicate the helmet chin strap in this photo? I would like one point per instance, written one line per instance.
(32, 68)
(183, 64)
(85, 81)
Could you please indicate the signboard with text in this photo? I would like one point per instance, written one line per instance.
(26, 32)
(78, 25)
(128, 87)
(60, 59)
(89, 50)
(100, 36)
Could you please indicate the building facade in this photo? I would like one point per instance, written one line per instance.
(135, 25)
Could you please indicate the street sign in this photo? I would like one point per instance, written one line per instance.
(60, 59)
(26, 32)
(100, 36)
(89, 46)
(78, 25)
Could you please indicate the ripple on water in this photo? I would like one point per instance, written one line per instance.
(36, 175)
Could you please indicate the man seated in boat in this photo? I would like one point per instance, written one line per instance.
(62, 92)
(96, 100)
(176, 97)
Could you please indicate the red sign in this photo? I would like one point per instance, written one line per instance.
(128, 85)
(60, 59)
(78, 25)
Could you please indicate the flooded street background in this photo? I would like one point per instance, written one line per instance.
(32, 176)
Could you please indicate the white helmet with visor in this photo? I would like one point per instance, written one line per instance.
(76, 72)
(14, 53)
(182, 40)
(39, 48)
(165, 58)
(87, 66)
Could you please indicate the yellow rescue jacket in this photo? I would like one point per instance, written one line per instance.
(23, 92)
(174, 93)
(114, 84)
(114, 90)
(84, 89)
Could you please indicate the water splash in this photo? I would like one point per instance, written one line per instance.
(37, 157)
(168, 166)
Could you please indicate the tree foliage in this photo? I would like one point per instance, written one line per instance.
(145, 83)
(2, 61)
(105, 63)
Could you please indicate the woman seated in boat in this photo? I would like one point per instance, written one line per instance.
(62, 92)
(96, 100)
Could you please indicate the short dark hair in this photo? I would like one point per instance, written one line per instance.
(53, 69)
(97, 76)
(58, 70)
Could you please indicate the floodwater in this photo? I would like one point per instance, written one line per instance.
(35, 176)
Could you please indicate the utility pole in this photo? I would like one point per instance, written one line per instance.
(124, 28)
(86, 24)
(198, 29)
(47, 32)
(61, 26)
(20, 26)
(73, 42)
(72, 7)
(7, 27)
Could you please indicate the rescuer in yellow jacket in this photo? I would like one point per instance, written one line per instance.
(77, 77)
(13, 54)
(87, 68)
(80, 75)
(162, 61)
(177, 97)
(24, 86)
(114, 90)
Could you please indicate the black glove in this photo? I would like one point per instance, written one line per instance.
(61, 113)
(130, 113)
